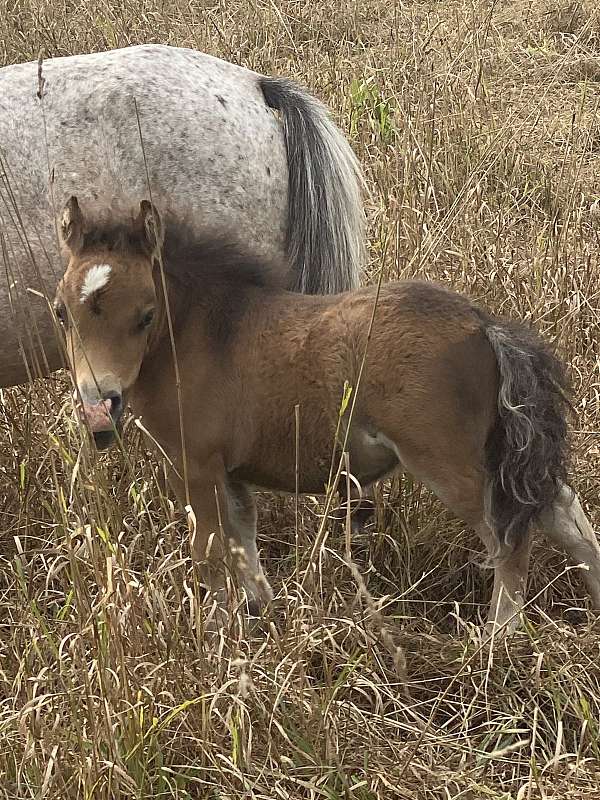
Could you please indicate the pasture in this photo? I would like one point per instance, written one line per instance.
(477, 125)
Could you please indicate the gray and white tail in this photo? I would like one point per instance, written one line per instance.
(527, 451)
(326, 222)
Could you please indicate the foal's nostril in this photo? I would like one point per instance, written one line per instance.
(116, 402)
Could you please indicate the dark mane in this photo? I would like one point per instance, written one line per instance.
(211, 273)
(216, 262)
(114, 236)
(207, 263)
(217, 276)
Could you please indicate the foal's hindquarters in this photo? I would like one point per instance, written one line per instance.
(475, 409)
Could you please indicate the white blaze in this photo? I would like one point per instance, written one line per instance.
(95, 278)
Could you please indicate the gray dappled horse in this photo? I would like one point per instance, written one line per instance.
(236, 155)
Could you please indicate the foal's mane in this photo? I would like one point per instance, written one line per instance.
(118, 237)
(208, 264)
(216, 276)
(214, 263)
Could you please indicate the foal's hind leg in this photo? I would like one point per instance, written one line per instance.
(510, 582)
(460, 485)
(464, 495)
(241, 515)
(365, 512)
(566, 524)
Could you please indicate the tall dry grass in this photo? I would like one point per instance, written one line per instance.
(477, 125)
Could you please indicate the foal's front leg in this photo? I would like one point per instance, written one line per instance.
(225, 512)
(207, 498)
(241, 518)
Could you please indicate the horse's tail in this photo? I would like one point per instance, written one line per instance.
(527, 450)
(326, 222)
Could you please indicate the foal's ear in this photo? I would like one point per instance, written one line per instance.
(71, 225)
(152, 227)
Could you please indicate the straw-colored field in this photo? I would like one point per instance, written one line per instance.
(478, 127)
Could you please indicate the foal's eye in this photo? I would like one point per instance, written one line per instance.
(146, 319)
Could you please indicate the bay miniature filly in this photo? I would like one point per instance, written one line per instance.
(472, 406)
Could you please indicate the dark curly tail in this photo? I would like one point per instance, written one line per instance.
(527, 451)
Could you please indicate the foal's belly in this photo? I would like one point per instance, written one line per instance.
(280, 476)
(372, 456)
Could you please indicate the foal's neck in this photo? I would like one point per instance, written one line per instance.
(223, 316)
(169, 314)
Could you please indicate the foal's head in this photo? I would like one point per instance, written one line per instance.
(106, 304)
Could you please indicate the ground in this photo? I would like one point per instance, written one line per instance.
(477, 126)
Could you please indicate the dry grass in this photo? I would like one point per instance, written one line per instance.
(477, 123)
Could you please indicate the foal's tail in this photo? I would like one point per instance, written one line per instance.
(527, 451)
(326, 221)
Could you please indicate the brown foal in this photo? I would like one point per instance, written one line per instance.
(472, 406)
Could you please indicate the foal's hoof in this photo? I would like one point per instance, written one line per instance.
(257, 624)
(495, 630)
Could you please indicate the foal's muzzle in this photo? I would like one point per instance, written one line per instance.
(103, 417)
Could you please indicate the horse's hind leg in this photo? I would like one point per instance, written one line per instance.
(566, 524)
(510, 581)
(460, 485)
(241, 515)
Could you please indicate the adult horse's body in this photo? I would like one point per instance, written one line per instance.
(217, 156)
